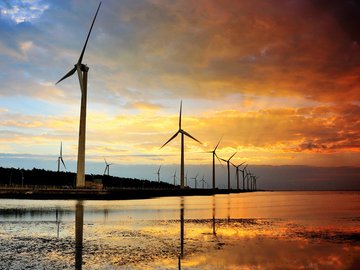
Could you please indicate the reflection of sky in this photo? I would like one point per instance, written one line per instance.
(276, 230)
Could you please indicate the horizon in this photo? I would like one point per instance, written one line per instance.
(286, 99)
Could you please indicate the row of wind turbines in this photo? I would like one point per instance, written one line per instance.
(82, 72)
(247, 176)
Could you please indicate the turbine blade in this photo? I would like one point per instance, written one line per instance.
(187, 134)
(71, 72)
(170, 139)
(87, 38)
(60, 149)
(218, 143)
(62, 161)
(232, 156)
(180, 115)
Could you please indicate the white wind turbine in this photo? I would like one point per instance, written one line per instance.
(107, 167)
(182, 132)
(194, 178)
(82, 71)
(174, 176)
(60, 159)
(158, 174)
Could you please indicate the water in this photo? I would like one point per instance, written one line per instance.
(262, 230)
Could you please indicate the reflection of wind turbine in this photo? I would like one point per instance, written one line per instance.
(82, 71)
(158, 173)
(237, 174)
(57, 221)
(60, 159)
(243, 175)
(181, 230)
(79, 226)
(194, 178)
(107, 167)
(228, 167)
(182, 132)
(213, 152)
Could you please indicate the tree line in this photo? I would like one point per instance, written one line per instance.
(41, 177)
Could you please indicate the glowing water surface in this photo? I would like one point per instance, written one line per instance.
(261, 230)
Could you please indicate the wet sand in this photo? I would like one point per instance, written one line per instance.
(277, 230)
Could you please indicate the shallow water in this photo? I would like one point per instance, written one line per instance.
(262, 230)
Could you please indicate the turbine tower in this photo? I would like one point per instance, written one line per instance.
(237, 174)
(228, 167)
(107, 167)
(60, 159)
(213, 152)
(82, 71)
(158, 173)
(182, 132)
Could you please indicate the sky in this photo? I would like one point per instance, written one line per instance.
(279, 80)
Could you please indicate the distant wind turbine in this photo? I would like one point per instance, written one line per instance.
(182, 132)
(237, 174)
(194, 178)
(247, 175)
(158, 174)
(243, 171)
(60, 159)
(82, 71)
(107, 167)
(203, 181)
(213, 152)
(174, 178)
(228, 167)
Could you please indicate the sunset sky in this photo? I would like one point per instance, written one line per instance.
(279, 80)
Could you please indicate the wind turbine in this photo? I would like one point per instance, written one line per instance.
(243, 171)
(228, 167)
(174, 178)
(107, 167)
(194, 178)
(182, 132)
(203, 181)
(213, 152)
(82, 71)
(247, 179)
(158, 173)
(237, 173)
(255, 178)
(60, 159)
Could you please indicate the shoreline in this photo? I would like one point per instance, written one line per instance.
(106, 194)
